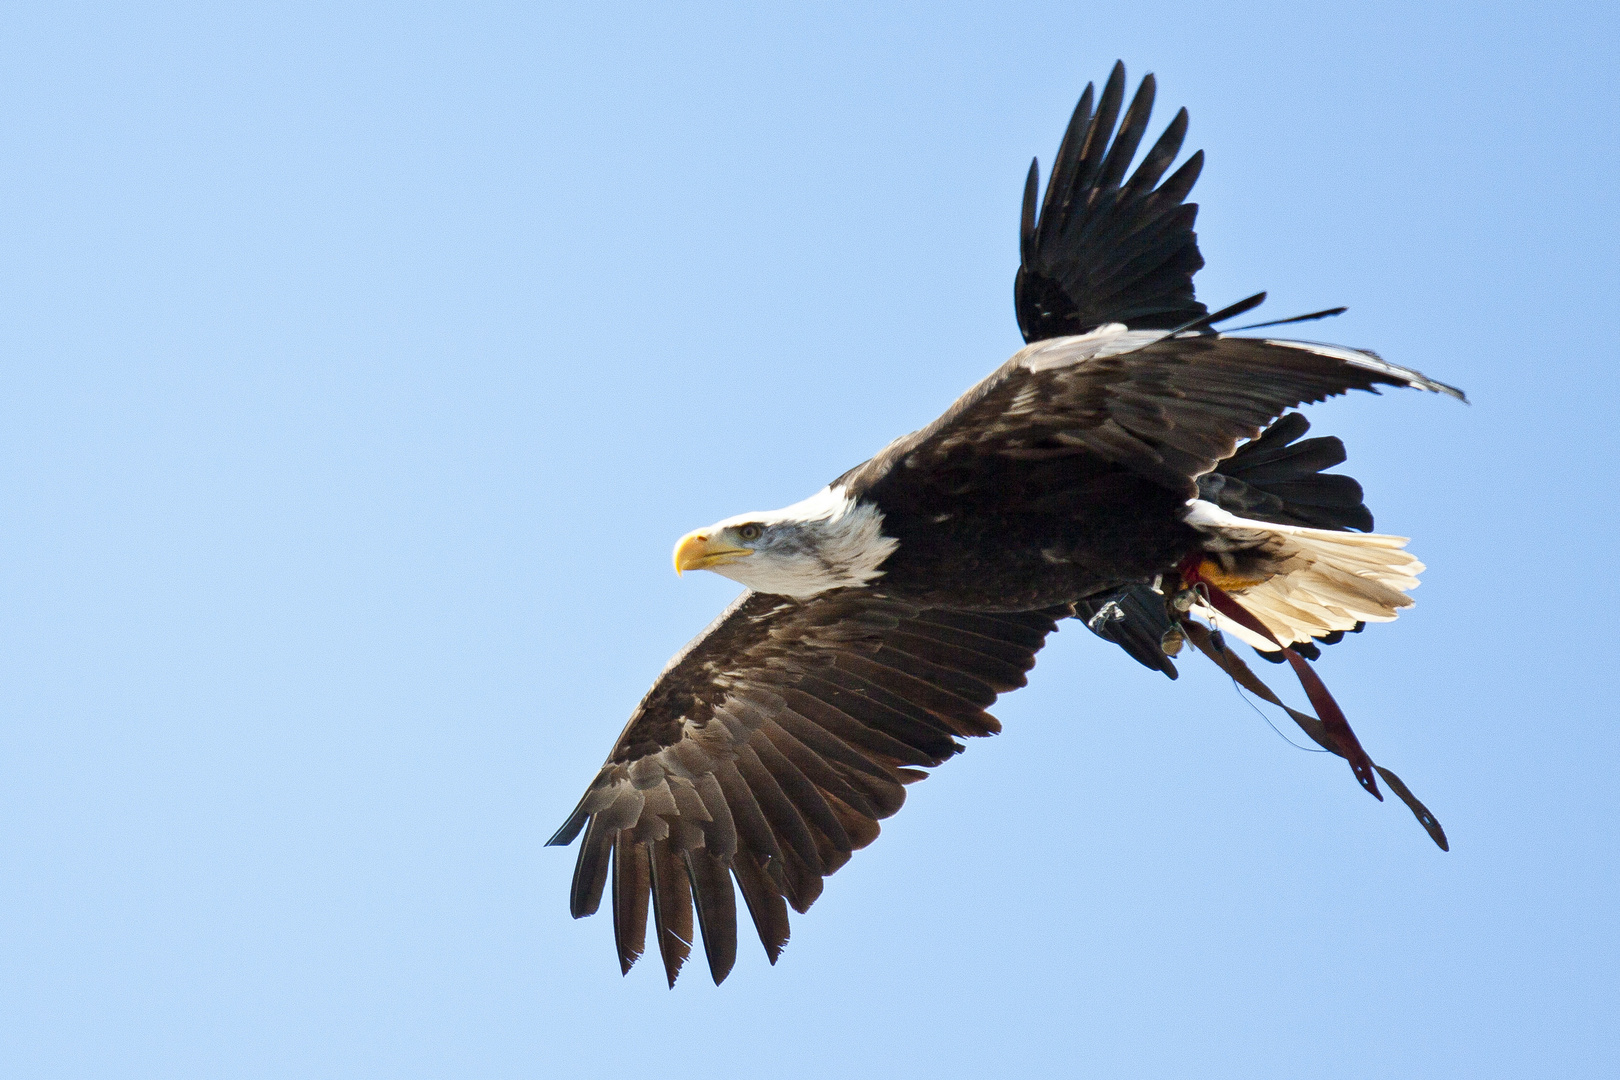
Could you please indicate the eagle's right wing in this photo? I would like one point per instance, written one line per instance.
(769, 749)
(1104, 249)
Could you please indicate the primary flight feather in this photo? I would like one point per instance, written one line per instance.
(1130, 466)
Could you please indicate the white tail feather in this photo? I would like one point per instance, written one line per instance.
(1325, 580)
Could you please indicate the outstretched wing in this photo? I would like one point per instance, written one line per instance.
(767, 752)
(1104, 249)
(1165, 407)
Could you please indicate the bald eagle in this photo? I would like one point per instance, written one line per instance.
(1131, 466)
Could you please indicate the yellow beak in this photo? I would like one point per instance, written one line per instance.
(696, 551)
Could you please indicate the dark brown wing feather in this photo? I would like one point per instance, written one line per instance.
(768, 751)
(1168, 408)
(1104, 249)
(1279, 477)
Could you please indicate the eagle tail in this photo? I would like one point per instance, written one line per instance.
(1315, 581)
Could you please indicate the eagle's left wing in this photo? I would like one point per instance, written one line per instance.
(767, 752)
(1167, 407)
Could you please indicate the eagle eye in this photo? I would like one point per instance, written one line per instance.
(749, 532)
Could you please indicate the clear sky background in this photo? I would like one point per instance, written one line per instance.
(363, 362)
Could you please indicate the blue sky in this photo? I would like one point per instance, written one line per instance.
(362, 364)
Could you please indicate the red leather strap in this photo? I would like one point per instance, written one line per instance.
(1327, 710)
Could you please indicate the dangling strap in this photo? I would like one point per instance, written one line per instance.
(1229, 662)
(1333, 719)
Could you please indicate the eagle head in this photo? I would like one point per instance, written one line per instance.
(829, 541)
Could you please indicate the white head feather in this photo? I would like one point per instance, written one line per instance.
(828, 541)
